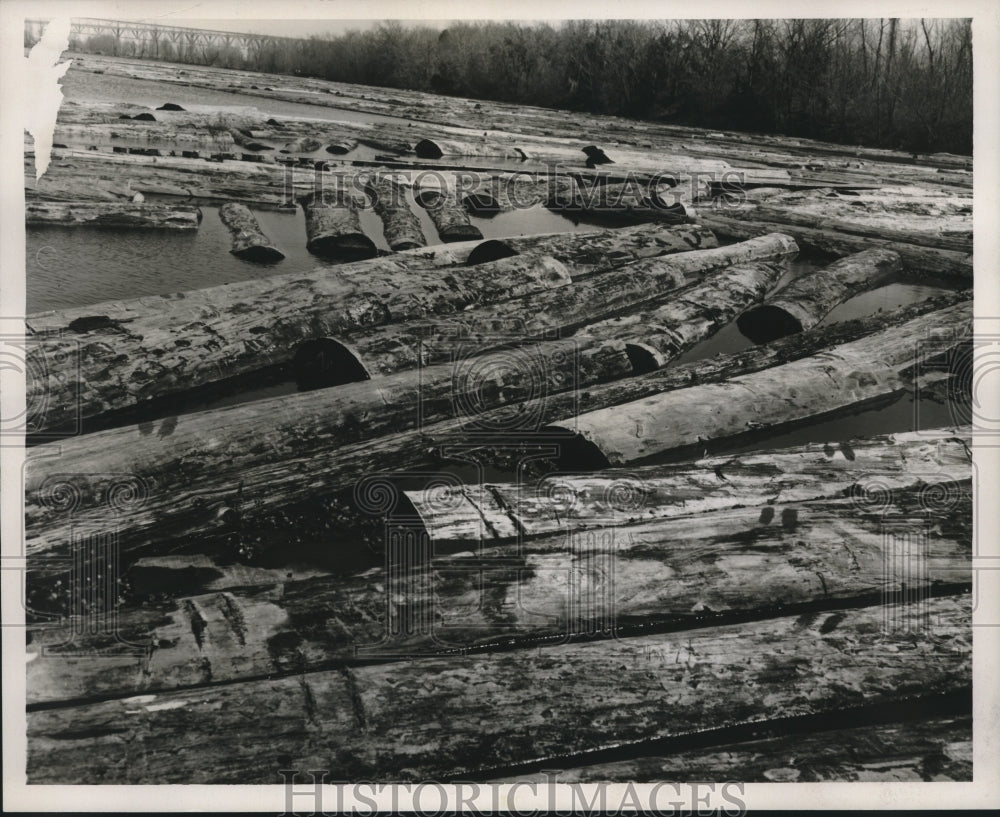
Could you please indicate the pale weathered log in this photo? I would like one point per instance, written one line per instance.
(165, 344)
(739, 560)
(870, 469)
(927, 750)
(112, 214)
(446, 717)
(401, 226)
(450, 220)
(408, 344)
(917, 260)
(333, 228)
(315, 448)
(805, 301)
(436, 148)
(249, 240)
(631, 200)
(835, 380)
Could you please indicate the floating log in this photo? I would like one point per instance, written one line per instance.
(870, 469)
(401, 226)
(404, 345)
(606, 582)
(838, 379)
(247, 142)
(305, 144)
(112, 214)
(917, 260)
(436, 148)
(249, 241)
(805, 301)
(170, 106)
(175, 343)
(450, 220)
(333, 228)
(342, 148)
(447, 717)
(631, 200)
(928, 750)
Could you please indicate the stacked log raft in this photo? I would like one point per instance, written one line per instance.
(112, 215)
(644, 585)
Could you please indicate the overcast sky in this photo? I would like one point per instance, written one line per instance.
(290, 28)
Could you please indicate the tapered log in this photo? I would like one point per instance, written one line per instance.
(402, 227)
(333, 228)
(446, 717)
(742, 561)
(632, 200)
(869, 469)
(249, 240)
(838, 379)
(407, 345)
(450, 220)
(808, 299)
(112, 214)
(928, 750)
(165, 344)
(917, 260)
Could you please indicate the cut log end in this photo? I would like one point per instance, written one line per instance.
(766, 323)
(644, 359)
(259, 254)
(428, 149)
(492, 250)
(348, 247)
(576, 452)
(324, 362)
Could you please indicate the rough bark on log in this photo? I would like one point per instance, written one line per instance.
(249, 240)
(450, 220)
(866, 468)
(917, 260)
(166, 344)
(401, 226)
(445, 717)
(333, 228)
(931, 750)
(835, 380)
(737, 561)
(112, 215)
(410, 344)
(805, 301)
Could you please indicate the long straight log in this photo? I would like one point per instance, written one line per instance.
(402, 227)
(333, 228)
(743, 561)
(116, 355)
(436, 148)
(249, 240)
(805, 301)
(450, 220)
(928, 750)
(407, 345)
(917, 260)
(447, 717)
(844, 376)
(320, 443)
(112, 214)
(868, 469)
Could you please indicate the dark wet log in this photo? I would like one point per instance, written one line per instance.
(447, 717)
(333, 228)
(805, 301)
(868, 469)
(917, 260)
(741, 560)
(122, 353)
(342, 148)
(401, 226)
(249, 240)
(112, 214)
(408, 344)
(838, 379)
(933, 750)
(450, 220)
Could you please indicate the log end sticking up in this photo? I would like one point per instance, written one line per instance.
(428, 149)
(324, 362)
(492, 250)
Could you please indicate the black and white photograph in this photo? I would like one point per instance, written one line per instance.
(528, 408)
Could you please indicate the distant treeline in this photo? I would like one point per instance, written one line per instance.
(903, 84)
